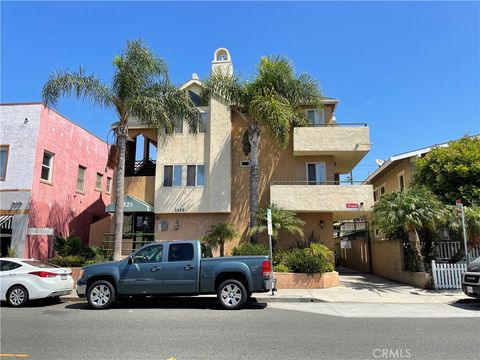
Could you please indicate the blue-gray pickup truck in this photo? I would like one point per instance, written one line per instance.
(176, 268)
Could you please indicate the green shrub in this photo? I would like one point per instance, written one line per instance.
(69, 246)
(298, 261)
(87, 253)
(68, 261)
(248, 249)
(11, 253)
(281, 268)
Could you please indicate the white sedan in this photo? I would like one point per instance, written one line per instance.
(27, 279)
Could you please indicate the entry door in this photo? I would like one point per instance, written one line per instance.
(144, 275)
(316, 174)
(180, 272)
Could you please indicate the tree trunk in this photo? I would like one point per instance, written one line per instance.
(119, 192)
(414, 241)
(222, 248)
(254, 140)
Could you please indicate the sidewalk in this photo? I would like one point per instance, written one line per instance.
(354, 288)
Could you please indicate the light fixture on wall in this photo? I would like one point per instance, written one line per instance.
(322, 224)
(177, 224)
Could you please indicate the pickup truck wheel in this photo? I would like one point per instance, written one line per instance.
(232, 294)
(101, 294)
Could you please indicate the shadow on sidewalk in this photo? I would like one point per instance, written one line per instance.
(170, 303)
(467, 304)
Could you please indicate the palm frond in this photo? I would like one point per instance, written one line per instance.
(77, 84)
(136, 69)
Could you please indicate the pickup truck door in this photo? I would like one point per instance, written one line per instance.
(180, 271)
(144, 275)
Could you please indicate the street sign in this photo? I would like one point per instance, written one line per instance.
(269, 222)
(352, 206)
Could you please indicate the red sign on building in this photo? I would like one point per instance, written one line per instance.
(352, 205)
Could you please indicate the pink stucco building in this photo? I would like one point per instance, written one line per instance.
(53, 179)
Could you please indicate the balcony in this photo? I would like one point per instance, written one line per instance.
(345, 201)
(348, 143)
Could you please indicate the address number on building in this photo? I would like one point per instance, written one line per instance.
(128, 204)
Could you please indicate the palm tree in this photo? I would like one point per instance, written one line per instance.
(272, 102)
(411, 210)
(282, 220)
(140, 89)
(218, 234)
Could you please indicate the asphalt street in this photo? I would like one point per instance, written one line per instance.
(200, 329)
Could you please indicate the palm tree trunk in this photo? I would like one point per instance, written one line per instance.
(414, 241)
(119, 192)
(254, 139)
(222, 249)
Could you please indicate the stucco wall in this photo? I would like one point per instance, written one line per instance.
(19, 129)
(142, 187)
(390, 176)
(387, 261)
(57, 204)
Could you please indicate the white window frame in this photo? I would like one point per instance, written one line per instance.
(182, 124)
(5, 148)
(320, 117)
(50, 166)
(246, 165)
(173, 176)
(401, 174)
(324, 171)
(84, 178)
(196, 176)
(203, 111)
(379, 189)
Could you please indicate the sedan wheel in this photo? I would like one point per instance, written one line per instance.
(101, 294)
(17, 296)
(232, 294)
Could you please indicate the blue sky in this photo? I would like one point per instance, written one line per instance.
(411, 70)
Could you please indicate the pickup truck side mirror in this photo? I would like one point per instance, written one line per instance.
(131, 260)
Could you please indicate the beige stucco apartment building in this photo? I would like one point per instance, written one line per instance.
(196, 180)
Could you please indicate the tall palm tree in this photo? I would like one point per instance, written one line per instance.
(272, 102)
(282, 220)
(411, 210)
(139, 89)
(218, 234)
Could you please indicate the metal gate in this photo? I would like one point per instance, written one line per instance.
(352, 246)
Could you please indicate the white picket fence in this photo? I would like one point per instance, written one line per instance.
(448, 276)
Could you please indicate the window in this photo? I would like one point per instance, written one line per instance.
(378, 192)
(98, 182)
(180, 252)
(202, 125)
(81, 178)
(172, 175)
(8, 265)
(47, 166)
(3, 161)
(149, 254)
(178, 126)
(195, 175)
(316, 173)
(401, 181)
(109, 185)
(316, 116)
(245, 163)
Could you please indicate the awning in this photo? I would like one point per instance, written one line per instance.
(131, 204)
(6, 221)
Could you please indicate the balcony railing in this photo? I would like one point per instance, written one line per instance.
(335, 124)
(339, 182)
(144, 167)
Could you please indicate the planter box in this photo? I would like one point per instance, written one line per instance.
(307, 281)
